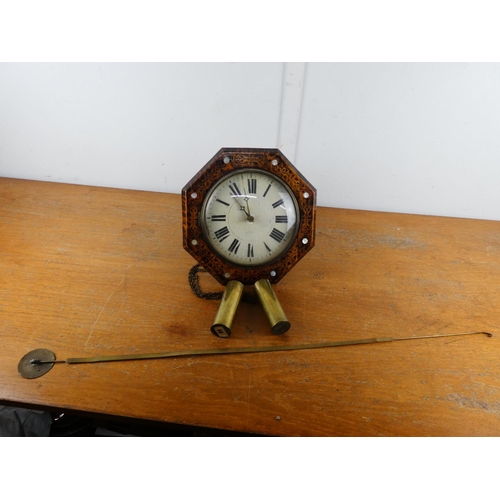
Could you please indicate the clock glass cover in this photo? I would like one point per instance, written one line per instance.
(250, 217)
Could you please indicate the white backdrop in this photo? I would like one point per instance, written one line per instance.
(404, 137)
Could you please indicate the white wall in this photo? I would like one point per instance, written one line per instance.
(416, 138)
(141, 126)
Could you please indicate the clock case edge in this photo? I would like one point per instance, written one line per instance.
(215, 169)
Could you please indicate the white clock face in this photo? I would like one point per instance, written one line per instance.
(250, 217)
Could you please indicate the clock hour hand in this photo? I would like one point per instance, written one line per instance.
(240, 205)
(250, 218)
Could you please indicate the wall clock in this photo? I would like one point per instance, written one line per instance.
(248, 218)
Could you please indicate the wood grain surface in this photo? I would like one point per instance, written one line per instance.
(94, 271)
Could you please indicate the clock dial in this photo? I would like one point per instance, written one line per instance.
(250, 217)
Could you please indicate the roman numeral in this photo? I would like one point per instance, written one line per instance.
(223, 202)
(234, 189)
(222, 234)
(250, 251)
(265, 192)
(267, 248)
(218, 218)
(277, 203)
(280, 219)
(277, 235)
(252, 186)
(235, 245)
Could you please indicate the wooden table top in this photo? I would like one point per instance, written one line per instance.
(94, 271)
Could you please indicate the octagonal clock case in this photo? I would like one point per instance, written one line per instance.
(248, 215)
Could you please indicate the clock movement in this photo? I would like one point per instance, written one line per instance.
(248, 218)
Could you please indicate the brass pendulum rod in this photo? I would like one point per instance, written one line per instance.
(37, 363)
(240, 350)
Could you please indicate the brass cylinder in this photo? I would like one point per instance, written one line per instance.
(272, 307)
(227, 309)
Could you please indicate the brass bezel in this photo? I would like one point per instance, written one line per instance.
(204, 230)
